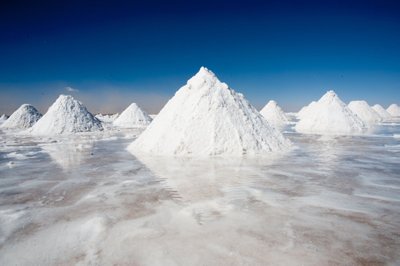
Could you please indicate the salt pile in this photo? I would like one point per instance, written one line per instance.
(206, 117)
(132, 116)
(393, 110)
(66, 115)
(381, 111)
(273, 113)
(24, 117)
(365, 112)
(107, 118)
(306, 109)
(3, 118)
(330, 116)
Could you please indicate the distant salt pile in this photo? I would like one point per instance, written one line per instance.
(66, 115)
(107, 118)
(133, 116)
(306, 109)
(24, 117)
(330, 116)
(393, 110)
(206, 117)
(368, 115)
(3, 118)
(273, 113)
(381, 112)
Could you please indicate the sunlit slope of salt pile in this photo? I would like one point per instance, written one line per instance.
(303, 111)
(381, 111)
(107, 118)
(132, 116)
(273, 113)
(330, 116)
(206, 117)
(24, 117)
(66, 115)
(365, 112)
(394, 110)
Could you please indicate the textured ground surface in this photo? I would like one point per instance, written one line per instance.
(86, 200)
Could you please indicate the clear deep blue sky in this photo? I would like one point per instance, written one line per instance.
(117, 52)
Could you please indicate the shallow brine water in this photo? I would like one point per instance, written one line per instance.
(86, 200)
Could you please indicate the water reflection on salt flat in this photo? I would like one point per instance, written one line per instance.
(329, 201)
(299, 204)
(207, 187)
(69, 154)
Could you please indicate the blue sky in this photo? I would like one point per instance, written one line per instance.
(117, 52)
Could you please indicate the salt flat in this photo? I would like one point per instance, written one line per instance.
(86, 200)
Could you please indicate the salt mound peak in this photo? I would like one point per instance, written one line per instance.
(362, 109)
(393, 110)
(330, 116)
(274, 114)
(329, 97)
(133, 116)
(381, 111)
(66, 115)
(24, 117)
(206, 117)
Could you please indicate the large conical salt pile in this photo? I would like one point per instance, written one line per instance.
(206, 117)
(66, 115)
(132, 116)
(365, 112)
(330, 116)
(394, 110)
(381, 111)
(306, 109)
(273, 113)
(24, 117)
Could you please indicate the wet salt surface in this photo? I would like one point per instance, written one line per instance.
(86, 200)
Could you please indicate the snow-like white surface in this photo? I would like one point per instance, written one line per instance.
(133, 116)
(107, 118)
(206, 117)
(305, 110)
(394, 110)
(330, 116)
(368, 115)
(274, 114)
(24, 117)
(66, 115)
(381, 111)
